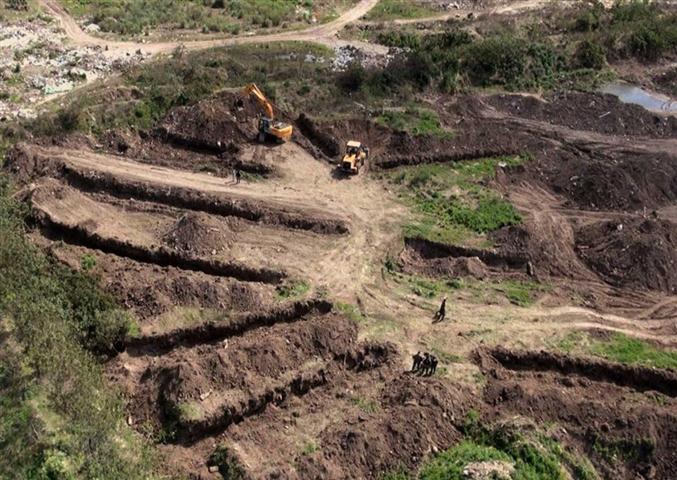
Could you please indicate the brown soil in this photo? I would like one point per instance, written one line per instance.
(150, 290)
(198, 234)
(217, 124)
(600, 406)
(588, 111)
(432, 259)
(267, 377)
(640, 253)
(414, 417)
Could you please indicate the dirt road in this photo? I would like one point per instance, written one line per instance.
(324, 33)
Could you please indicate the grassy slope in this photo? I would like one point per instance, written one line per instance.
(619, 348)
(451, 203)
(59, 419)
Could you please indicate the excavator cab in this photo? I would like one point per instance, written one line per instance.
(268, 126)
(355, 157)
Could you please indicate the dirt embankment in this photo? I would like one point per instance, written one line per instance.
(83, 235)
(588, 111)
(413, 418)
(613, 412)
(199, 201)
(236, 325)
(150, 290)
(627, 182)
(440, 260)
(391, 149)
(217, 124)
(637, 253)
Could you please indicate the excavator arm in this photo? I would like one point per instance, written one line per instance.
(254, 91)
(267, 125)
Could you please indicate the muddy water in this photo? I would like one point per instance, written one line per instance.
(628, 93)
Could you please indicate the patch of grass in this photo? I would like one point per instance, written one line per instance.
(227, 463)
(293, 290)
(619, 348)
(350, 311)
(366, 405)
(189, 411)
(626, 450)
(453, 206)
(449, 465)
(624, 349)
(521, 293)
(309, 448)
(424, 287)
(416, 121)
(393, 9)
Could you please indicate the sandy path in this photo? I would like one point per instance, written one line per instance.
(320, 34)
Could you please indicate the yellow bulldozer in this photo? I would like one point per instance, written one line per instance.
(355, 157)
(269, 128)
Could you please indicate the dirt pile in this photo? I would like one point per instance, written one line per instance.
(626, 182)
(437, 259)
(217, 124)
(153, 148)
(627, 431)
(199, 234)
(639, 253)
(415, 417)
(588, 111)
(24, 163)
(150, 290)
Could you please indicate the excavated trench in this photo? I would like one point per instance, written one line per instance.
(638, 378)
(432, 250)
(79, 235)
(195, 200)
(193, 431)
(359, 359)
(214, 332)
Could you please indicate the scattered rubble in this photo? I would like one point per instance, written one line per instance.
(37, 62)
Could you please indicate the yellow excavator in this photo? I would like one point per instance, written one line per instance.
(268, 126)
(356, 155)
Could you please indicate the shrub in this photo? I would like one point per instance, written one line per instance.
(590, 54)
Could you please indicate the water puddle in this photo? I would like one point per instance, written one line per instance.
(628, 93)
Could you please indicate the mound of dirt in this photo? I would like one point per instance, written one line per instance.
(415, 417)
(588, 111)
(25, 164)
(440, 260)
(627, 182)
(638, 253)
(601, 407)
(392, 148)
(199, 234)
(216, 124)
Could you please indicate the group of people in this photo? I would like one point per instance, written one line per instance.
(424, 364)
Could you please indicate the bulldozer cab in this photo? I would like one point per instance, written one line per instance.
(353, 148)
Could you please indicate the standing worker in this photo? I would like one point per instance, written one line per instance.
(417, 361)
(238, 176)
(442, 312)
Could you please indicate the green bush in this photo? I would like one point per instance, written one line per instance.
(591, 54)
(228, 465)
(63, 422)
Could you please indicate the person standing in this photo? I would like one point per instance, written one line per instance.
(442, 312)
